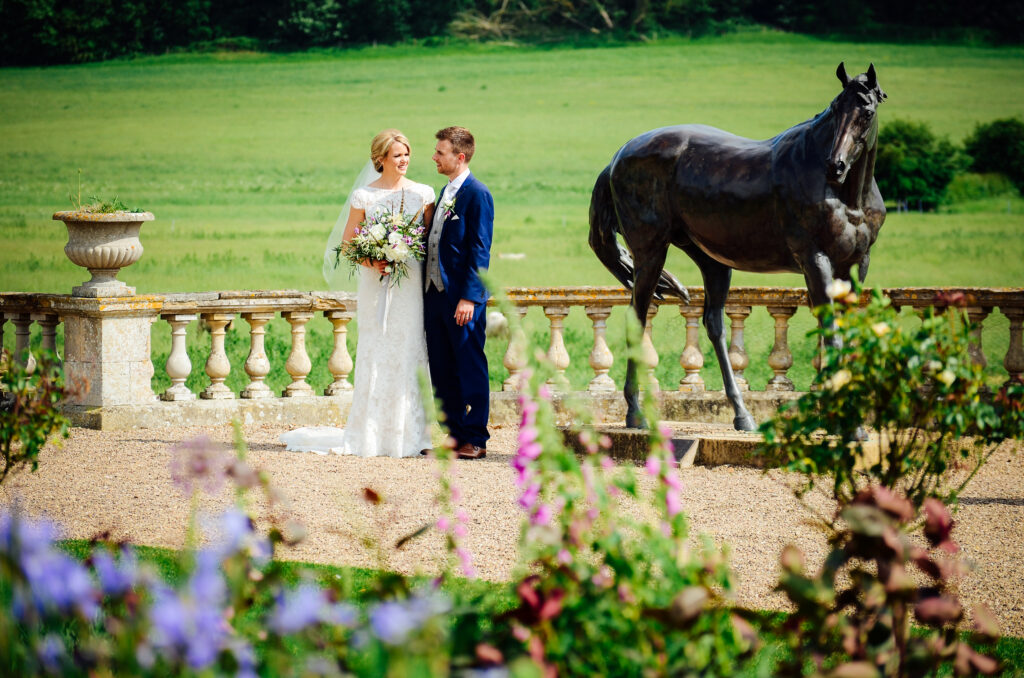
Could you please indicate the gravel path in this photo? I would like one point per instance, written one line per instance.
(119, 483)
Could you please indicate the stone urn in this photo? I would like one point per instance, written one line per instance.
(104, 243)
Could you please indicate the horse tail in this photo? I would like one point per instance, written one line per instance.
(604, 226)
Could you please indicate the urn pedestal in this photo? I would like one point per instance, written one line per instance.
(104, 244)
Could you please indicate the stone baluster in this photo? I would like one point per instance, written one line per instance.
(257, 366)
(48, 329)
(557, 353)
(1014, 360)
(298, 364)
(515, 354)
(976, 315)
(601, 358)
(737, 351)
(179, 367)
(218, 367)
(649, 353)
(692, 359)
(22, 353)
(780, 359)
(340, 362)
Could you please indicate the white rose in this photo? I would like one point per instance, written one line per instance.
(394, 238)
(839, 380)
(947, 377)
(837, 289)
(400, 251)
(377, 232)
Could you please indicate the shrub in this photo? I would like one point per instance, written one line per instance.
(970, 186)
(998, 146)
(913, 166)
(923, 396)
(30, 412)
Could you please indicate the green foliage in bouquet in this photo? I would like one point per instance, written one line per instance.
(30, 412)
(916, 388)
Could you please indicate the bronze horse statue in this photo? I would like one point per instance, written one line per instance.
(803, 201)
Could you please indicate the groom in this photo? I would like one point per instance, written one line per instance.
(455, 300)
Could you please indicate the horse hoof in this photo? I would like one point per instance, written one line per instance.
(744, 422)
(636, 421)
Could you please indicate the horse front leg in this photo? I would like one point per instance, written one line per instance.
(818, 272)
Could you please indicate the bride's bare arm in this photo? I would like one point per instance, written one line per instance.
(428, 215)
(354, 217)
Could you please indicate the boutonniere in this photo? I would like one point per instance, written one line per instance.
(448, 206)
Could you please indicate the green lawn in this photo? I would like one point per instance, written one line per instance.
(246, 158)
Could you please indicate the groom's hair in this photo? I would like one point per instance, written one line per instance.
(461, 140)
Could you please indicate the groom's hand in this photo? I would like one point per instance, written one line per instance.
(464, 312)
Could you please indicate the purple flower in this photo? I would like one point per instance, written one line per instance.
(392, 622)
(51, 653)
(198, 464)
(297, 609)
(234, 533)
(116, 577)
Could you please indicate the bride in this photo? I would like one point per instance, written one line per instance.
(387, 418)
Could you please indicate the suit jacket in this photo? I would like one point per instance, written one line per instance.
(465, 245)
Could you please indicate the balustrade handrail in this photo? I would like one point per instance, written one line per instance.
(120, 326)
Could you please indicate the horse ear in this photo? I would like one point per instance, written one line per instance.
(841, 74)
(872, 78)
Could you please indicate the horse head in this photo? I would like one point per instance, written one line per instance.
(856, 126)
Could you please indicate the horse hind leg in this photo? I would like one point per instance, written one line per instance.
(649, 265)
(717, 277)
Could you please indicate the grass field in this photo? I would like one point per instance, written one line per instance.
(246, 158)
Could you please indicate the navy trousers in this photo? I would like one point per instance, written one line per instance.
(458, 367)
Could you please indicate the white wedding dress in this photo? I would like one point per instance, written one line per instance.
(387, 418)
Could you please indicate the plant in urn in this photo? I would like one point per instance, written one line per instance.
(104, 238)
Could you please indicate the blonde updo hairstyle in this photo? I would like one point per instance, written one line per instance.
(381, 146)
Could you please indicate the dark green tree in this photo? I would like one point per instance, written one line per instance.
(913, 165)
(998, 146)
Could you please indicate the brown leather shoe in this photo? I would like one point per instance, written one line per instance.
(469, 451)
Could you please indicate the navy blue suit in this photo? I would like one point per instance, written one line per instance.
(458, 366)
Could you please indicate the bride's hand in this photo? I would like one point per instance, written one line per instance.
(380, 266)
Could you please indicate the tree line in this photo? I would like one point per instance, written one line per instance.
(36, 32)
(918, 170)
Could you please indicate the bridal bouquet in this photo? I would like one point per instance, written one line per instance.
(386, 235)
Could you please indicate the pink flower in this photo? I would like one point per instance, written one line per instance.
(606, 463)
(462, 516)
(605, 441)
(527, 434)
(443, 524)
(673, 504)
(460, 530)
(564, 557)
(530, 451)
(530, 496)
(664, 430)
(542, 515)
(672, 480)
(653, 465)
(544, 392)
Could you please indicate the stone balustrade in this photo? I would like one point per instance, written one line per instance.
(107, 350)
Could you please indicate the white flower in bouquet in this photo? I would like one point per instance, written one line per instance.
(388, 235)
(377, 231)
